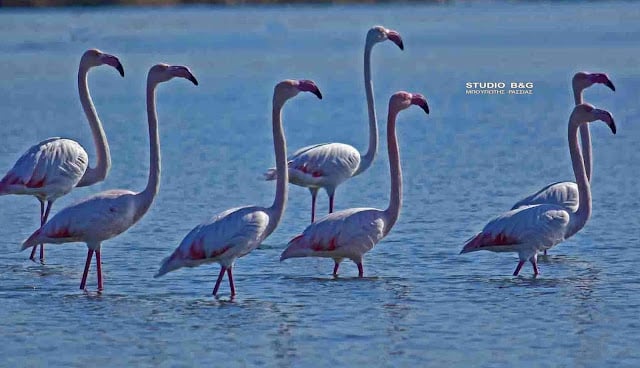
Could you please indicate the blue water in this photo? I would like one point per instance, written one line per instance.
(420, 303)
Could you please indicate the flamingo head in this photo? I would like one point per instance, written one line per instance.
(291, 87)
(162, 72)
(402, 100)
(587, 113)
(379, 34)
(583, 80)
(95, 57)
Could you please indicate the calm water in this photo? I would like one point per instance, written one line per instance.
(473, 157)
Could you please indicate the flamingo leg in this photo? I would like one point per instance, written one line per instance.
(517, 271)
(99, 270)
(534, 263)
(331, 202)
(215, 288)
(33, 250)
(335, 268)
(360, 270)
(314, 194)
(44, 221)
(83, 283)
(231, 285)
(545, 252)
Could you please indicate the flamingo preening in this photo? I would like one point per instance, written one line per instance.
(107, 214)
(327, 165)
(353, 232)
(234, 233)
(53, 167)
(565, 193)
(533, 228)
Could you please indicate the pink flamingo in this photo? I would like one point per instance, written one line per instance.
(353, 232)
(234, 233)
(565, 193)
(53, 167)
(107, 214)
(530, 229)
(327, 165)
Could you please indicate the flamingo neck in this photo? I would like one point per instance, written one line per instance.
(153, 184)
(370, 155)
(395, 199)
(584, 188)
(585, 136)
(280, 149)
(103, 157)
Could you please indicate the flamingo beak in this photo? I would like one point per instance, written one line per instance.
(114, 62)
(184, 72)
(306, 85)
(602, 79)
(420, 100)
(606, 117)
(395, 37)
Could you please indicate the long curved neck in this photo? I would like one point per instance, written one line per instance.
(584, 188)
(153, 183)
(280, 148)
(395, 199)
(370, 155)
(103, 157)
(585, 136)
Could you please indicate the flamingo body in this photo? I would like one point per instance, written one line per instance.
(48, 170)
(563, 194)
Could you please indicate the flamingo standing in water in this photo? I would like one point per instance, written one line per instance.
(234, 233)
(565, 193)
(107, 214)
(53, 167)
(327, 165)
(530, 229)
(353, 232)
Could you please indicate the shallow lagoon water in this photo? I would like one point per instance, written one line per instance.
(471, 158)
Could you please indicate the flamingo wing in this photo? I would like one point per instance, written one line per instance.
(51, 168)
(343, 234)
(564, 194)
(534, 227)
(227, 236)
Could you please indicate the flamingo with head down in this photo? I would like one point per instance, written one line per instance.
(108, 214)
(236, 232)
(53, 167)
(353, 232)
(327, 165)
(530, 229)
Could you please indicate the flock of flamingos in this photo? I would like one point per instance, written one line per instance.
(53, 167)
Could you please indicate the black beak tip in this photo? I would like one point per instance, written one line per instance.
(401, 45)
(610, 85)
(317, 93)
(613, 128)
(193, 80)
(120, 69)
(425, 107)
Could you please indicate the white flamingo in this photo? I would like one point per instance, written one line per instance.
(327, 165)
(565, 193)
(530, 229)
(107, 214)
(53, 167)
(353, 232)
(234, 233)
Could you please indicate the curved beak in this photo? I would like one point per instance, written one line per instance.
(114, 62)
(606, 117)
(395, 37)
(602, 79)
(420, 100)
(184, 72)
(609, 84)
(306, 85)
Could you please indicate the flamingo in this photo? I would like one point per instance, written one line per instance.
(565, 193)
(235, 232)
(533, 228)
(353, 232)
(110, 213)
(327, 165)
(53, 167)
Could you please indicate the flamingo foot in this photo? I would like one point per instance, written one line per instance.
(517, 271)
(231, 285)
(360, 270)
(335, 269)
(215, 288)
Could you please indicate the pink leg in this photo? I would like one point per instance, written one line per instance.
(534, 263)
(231, 285)
(360, 270)
(314, 194)
(215, 288)
(545, 252)
(335, 269)
(331, 203)
(99, 270)
(517, 271)
(83, 283)
(44, 221)
(33, 250)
